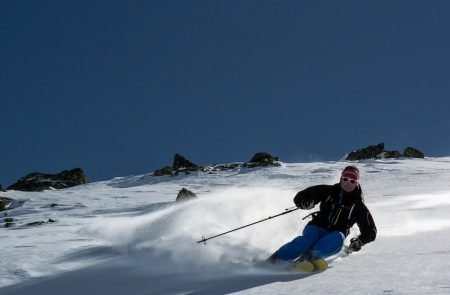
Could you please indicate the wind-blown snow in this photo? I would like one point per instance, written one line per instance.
(127, 235)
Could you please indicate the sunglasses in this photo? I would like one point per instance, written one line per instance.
(346, 179)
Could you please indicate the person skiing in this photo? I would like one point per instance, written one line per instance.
(341, 206)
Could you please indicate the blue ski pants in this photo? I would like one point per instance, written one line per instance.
(317, 241)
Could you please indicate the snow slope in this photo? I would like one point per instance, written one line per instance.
(127, 236)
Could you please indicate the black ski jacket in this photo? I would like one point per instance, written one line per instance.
(339, 210)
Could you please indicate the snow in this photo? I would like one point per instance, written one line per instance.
(128, 236)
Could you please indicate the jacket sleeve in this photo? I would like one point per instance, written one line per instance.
(366, 225)
(315, 193)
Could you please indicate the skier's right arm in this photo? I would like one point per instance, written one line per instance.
(311, 195)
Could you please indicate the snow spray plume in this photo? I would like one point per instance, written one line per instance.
(288, 210)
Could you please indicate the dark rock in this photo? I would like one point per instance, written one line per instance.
(413, 153)
(258, 160)
(181, 165)
(9, 224)
(180, 162)
(378, 152)
(4, 203)
(164, 171)
(370, 152)
(1, 188)
(222, 167)
(35, 223)
(40, 222)
(41, 181)
(392, 154)
(264, 159)
(7, 203)
(185, 195)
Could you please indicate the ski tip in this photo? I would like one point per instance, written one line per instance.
(203, 240)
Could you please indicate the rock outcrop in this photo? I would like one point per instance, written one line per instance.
(181, 164)
(370, 152)
(263, 159)
(42, 181)
(185, 195)
(4, 203)
(7, 203)
(378, 152)
(413, 153)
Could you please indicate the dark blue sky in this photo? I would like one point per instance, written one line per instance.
(118, 87)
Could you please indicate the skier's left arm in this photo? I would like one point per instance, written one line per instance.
(366, 226)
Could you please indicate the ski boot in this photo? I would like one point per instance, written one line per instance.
(320, 264)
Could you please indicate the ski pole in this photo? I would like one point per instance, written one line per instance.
(288, 210)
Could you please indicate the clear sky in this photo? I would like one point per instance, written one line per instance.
(118, 87)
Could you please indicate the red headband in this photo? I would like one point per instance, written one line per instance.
(350, 174)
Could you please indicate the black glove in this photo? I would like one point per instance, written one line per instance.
(306, 204)
(355, 244)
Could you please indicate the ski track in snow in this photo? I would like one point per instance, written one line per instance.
(128, 235)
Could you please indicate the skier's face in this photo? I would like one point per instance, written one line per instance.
(348, 184)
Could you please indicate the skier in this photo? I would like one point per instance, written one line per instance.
(341, 206)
